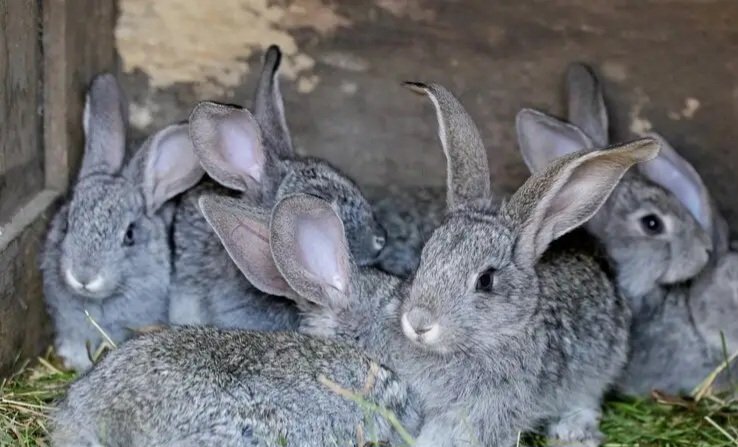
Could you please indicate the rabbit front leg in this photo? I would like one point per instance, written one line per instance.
(457, 429)
(577, 426)
(73, 353)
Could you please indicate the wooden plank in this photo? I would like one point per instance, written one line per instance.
(24, 329)
(21, 168)
(78, 43)
(40, 147)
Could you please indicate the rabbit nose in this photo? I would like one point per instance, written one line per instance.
(84, 280)
(418, 324)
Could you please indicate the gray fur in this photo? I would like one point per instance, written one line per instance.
(550, 337)
(411, 214)
(126, 285)
(210, 387)
(251, 158)
(664, 275)
(539, 350)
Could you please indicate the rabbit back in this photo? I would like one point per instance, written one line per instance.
(239, 388)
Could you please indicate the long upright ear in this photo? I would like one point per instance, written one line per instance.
(104, 123)
(568, 193)
(676, 175)
(310, 249)
(228, 142)
(244, 232)
(165, 166)
(587, 103)
(467, 168)
(269, 106)
(543, 138)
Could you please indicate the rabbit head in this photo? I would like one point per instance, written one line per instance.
(116, 235)
(659, 225)
(477, 280)
(301, 252)
(252, 154)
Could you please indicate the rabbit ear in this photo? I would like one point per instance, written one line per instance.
(676, 175)
(310, 249)
(543, 138)
(567, 193)
(228, 142)
(269, 106)
(467, 171)
(244, 232)
(587, 103)
(104, 124)
(169, 166)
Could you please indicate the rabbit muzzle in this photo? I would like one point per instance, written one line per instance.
(87, 281)
(419, 326)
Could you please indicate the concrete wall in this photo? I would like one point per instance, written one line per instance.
(670, 65)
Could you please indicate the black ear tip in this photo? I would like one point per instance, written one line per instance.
(273, 57)
(580, 71)
(417, 87)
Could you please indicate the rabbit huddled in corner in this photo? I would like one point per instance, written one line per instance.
(497, 333)
(251, 157)
(107, 250)
(665, 236)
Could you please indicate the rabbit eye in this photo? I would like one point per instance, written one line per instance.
(652, 224)
(128, 238)
(485, 281)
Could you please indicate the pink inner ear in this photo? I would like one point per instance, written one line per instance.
(255, 255)
(242, 149)
(320, 251)
(175, 156)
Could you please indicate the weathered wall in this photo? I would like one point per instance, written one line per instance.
(667, 64)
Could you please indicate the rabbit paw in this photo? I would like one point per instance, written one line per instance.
(74, 356)
(576, 428)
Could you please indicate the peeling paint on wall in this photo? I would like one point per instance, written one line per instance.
(690, 108)
(412, 9)
(207, 44)
(615, 71)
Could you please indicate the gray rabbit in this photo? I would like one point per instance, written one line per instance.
(496, 334)
(665, 236)
(409, 215)
(251, 157)
(193, 387)
(107, 250)
(208, 386)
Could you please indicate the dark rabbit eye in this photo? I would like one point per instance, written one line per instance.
(652, 224)
(485, 281)
(128, 238)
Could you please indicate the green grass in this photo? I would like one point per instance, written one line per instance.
(25, 400)
(661, 421)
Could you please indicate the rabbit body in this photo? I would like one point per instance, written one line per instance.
(108, 250)
(206, 386)
(665, 237)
